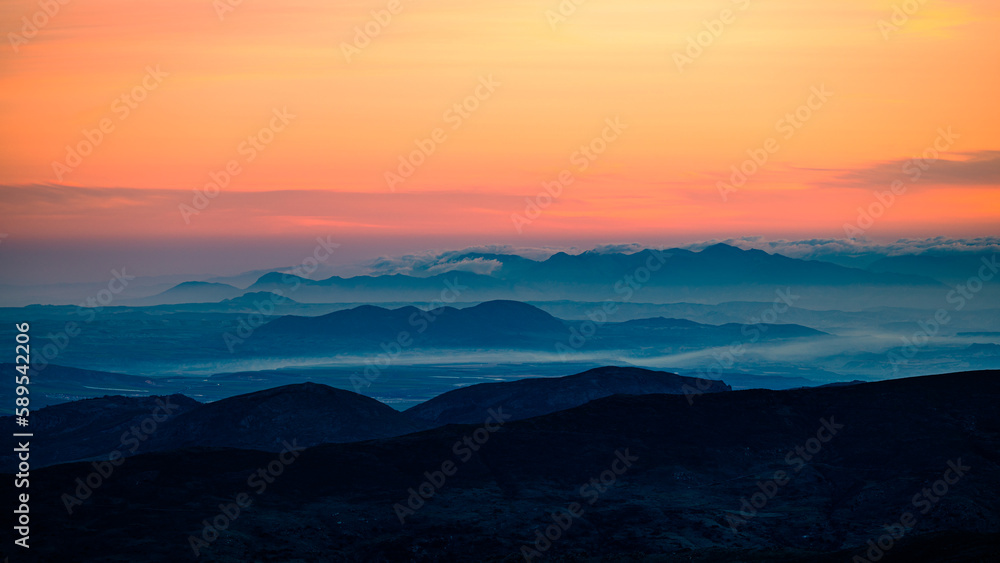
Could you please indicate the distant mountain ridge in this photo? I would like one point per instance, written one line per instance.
(488, 320)
(497, 324)
(668, 275)
(949, 268)
(192, 292)
(719, 264)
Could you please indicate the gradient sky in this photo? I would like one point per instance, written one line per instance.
(324, 174)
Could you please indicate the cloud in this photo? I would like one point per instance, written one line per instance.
(818, 249)
(480, 266)
(981, 168)
(627, 248)
(435, 262)
(440, 261)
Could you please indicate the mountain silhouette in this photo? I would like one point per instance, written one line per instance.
(526, 398)
(191, 292)
(94, 428)
(497, 324)
(667, 275)
(678, 478)
(308, 412)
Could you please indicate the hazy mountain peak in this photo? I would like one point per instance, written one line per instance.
(722, 249)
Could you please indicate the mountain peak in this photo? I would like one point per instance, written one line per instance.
(200, 284)
(722, 248)
(515, 315)
(530, 397)
(498, 305)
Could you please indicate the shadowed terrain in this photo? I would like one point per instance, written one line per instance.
(527, 398)
(93, 428)
(313, 413)
(852, 459)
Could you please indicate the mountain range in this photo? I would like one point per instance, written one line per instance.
(782, 476)
(668, 275)
(490, 325)
(311, 413)
(527, 398)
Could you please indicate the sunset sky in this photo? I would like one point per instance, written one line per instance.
(200, 78)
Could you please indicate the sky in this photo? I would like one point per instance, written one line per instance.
(232, 133)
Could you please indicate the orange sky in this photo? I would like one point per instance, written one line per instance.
(558, 84)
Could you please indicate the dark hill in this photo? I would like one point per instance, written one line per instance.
(93, 428)
(492, 324)
(308, 412)
(192, 292)
(526, 398)
(682, 498)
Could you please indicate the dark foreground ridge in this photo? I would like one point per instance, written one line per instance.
(312, 413)
(315, 414)
(800, 475)
(526, 398)
(92, 428)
